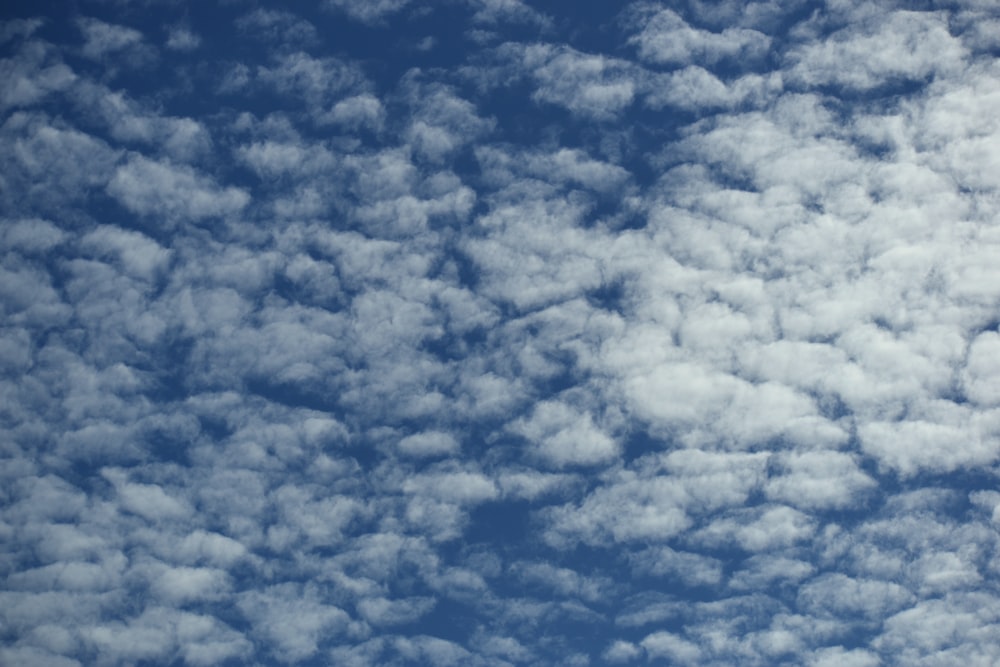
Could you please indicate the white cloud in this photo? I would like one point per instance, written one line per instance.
(759, 530)
(841, 595)
(429, 444)
(181, 38)
(140, 256)
(666, 39)
(147, 500)
(632, 509)
(31, 74)
(172, 192)
(502, 348)
(821, 479)
(900, 45)
(442, 122)
(382, 611)
(102, 39)
(278, 26)
(564, 436)
(569, 166)
(982, 370)
(458, 486)
(368, 11)
(358, 111)
(185, 584)
(621, 651)
(667, 645)
(909, 446)
(318, 81)
(841, 657)
(293, 619)
(590, 85)
(689, 568)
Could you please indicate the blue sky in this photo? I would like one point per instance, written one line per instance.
(490, 332)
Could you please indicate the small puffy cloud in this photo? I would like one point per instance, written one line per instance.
(621, 652)
(102, 39)
(278, 27)
(570, 166)
(759, 530)
(590, 85)
(819, 479)
(15, 28)
(274, 159)
(181, 38)
(458, 486)
(172, 192)
(981, 375)
(688, 568)
(899, 46)
(431, 650)
(213, 548)
(838, 656)
(318, 81)
(31, 74)
(562, 581)
(139, 255)
(943, 629)
(363, 110)
(841, 595)
(382, 611)
(293, 618)
(629, 509)
(491, 12)
(672, 647)
(760, 572)
(956, 440)
(147, 500)
(442, 121)
(665, 38)
(372, 12)
(30, 236)
(185, 584)
(428, 444)
(563, 436)
(130, 121)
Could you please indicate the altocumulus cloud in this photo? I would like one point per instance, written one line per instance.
(489, 332)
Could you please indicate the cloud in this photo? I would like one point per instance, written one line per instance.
(318, 81)
(621, 651)
(429, 444)
(670, 646)
(664, 341)
(293, 619)
(382, 612)
(358, 111)
(442, 122)
(589, 85)
(102, 39)
(278, 27)
(372, 13)
(172, 193)
(892, 48)
(665, 38)
(180, 38)
(980, 377)
(566, 437)
(32, 73)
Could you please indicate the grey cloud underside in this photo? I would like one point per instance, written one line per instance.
(679, 352)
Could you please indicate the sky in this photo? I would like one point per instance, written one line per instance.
(500, 332)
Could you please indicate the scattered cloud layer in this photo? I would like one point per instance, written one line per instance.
(673, 342)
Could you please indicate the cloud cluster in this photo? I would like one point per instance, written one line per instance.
(673, 344)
